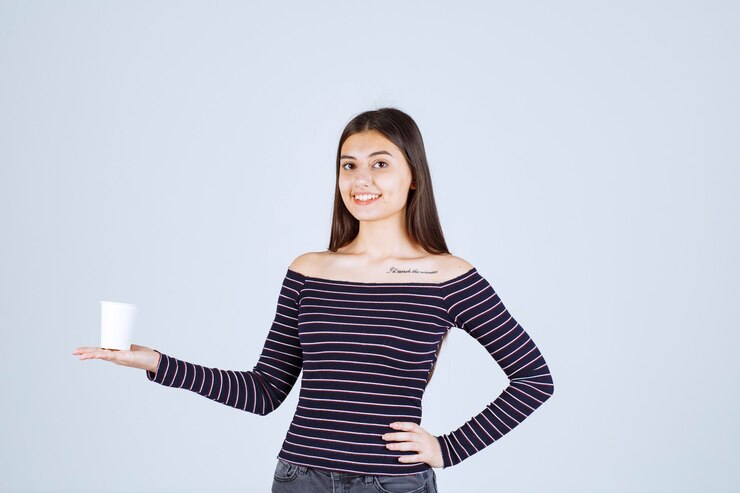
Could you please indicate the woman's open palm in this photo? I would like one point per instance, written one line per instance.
(138, 357)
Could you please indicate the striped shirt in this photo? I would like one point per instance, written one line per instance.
(366, 351)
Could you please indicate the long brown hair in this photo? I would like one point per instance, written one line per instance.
(422, 220)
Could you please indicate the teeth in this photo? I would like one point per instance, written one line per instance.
(366, 197)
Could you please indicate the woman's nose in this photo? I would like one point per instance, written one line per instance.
(362, 177)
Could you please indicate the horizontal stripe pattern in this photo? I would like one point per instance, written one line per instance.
(475, 307)
(366, 350)
(265, 387)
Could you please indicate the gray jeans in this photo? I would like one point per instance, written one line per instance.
(293, 478)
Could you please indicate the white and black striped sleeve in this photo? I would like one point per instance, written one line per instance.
(474, 306)
(265, 387)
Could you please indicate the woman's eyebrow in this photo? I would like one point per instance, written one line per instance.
(344, 156)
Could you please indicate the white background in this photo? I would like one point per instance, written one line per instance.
(179, 155)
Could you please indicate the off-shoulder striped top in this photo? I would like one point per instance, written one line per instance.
(365, 351)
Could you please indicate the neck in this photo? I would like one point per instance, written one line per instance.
(383, 239)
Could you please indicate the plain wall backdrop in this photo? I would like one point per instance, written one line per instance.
(179, 155)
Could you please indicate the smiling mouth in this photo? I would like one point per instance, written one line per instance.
(366, 198)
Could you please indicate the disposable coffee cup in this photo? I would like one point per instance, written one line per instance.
(117, 325)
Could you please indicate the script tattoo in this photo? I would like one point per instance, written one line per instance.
(394, 270)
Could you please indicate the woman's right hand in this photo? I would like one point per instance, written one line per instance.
(138, 357)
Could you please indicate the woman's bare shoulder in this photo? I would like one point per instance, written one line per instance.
(308, 263)
(453, 266)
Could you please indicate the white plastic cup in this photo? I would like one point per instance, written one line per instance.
(117, 325)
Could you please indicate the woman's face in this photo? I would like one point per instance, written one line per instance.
(371, 165)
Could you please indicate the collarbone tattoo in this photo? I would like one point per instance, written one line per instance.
(395, 270)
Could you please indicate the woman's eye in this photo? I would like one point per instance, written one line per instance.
(344, 165)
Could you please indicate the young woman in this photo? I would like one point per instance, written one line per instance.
(364, 321)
